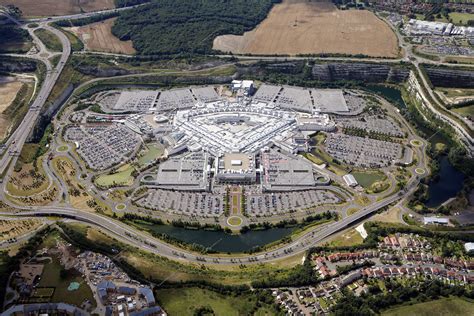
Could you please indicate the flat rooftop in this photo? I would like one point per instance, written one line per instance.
(295, 98)
(231, 161)
(205, 94)
(188, 171)
(329, 100)
(267, 93)
(283, 170)
(175, 99)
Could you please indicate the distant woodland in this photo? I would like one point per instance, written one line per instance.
(168, 27)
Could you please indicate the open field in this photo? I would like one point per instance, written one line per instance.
(348, 238)
(390, 216)
(51, 41)
(456, 92)
(55, 7)
(301, 27)
(152, 152)
(446, 306)
(465, 111)
(98, 37)
(123, 176)
(367, 179)
(29, 180)
(461, 18)
(9, 87)
(15, 228)
(78, 195)
(184, 301)
(454, 95)
(51, 278)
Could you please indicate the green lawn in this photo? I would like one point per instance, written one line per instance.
(349, 238)
(331, 165)
(452, 306)
(51, 278)
(465, 111)
(49, 40)
(367, 179)
(461, 18)
(456, 92)
(122, 177)
(184, 301)
(151, 153)
(319, 138)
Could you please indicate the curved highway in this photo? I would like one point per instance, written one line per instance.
(146, 242)
(18, 138)
(141, 239)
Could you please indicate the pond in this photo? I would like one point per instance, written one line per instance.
(222, 242)
(450, 180)
(392, 94)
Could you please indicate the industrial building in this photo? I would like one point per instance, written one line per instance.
(436, 221)
(350, 180)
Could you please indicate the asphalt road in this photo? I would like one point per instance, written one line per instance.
(16, 141)
(146, 242)
(140, 239)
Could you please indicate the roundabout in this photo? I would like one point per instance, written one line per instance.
(62, 149)
(120, 207)
(420, 171)
(234, 221)
(416, 142)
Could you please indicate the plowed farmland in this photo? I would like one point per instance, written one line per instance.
(306, 27)
(58, 7)
(98, 37)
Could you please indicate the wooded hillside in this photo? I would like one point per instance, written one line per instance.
(183, 26)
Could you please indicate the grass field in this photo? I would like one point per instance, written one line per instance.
(65, 169)
(98, 37)
(302, 27)
(151, 153)
(465, 111)
(326, 158)
(184, 301)
(9, 88)
(452, 306)
(461, 18)
(348, 238)
(390, 216)
(49, 40)
(122, 177)
(15, 228)
(28, 181)
(55, 7)
(367, 179)
(51, 278)
(456, 92)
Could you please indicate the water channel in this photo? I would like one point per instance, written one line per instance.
(222, 242)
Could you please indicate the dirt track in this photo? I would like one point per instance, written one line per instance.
(98, 37)
(58, 7)
(301, 27)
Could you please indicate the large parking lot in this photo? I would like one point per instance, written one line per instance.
(373, 124)
(277, 203)
(184, 203)
(362, 152)
(103, 147)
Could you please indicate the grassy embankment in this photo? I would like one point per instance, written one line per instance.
(451, 306)
(49, 40)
